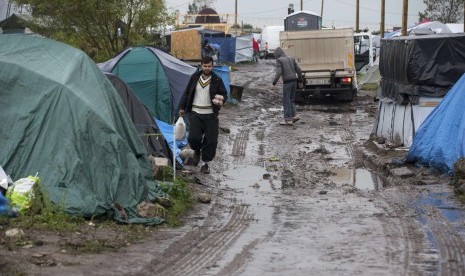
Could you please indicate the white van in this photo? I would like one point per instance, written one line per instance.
(270, 34)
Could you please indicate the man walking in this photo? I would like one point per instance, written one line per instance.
(291, 74)
(203, 98)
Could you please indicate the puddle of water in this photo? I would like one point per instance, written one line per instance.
(441, 200)
(362, 179)
(258, 195)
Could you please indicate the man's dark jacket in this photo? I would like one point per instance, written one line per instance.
(216, 87)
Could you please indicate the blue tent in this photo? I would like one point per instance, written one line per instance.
(440, 140)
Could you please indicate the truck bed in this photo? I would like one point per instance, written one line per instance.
(320, 50)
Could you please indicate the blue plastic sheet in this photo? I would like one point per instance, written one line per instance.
(439, 141)
(223, 73)
(167, 131)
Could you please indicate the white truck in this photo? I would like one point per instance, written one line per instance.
(270, 36)
(326, 58)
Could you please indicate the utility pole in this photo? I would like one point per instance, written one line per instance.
(383, 12)
(357, 17)
(301, 5)
(464, 16)
(235, 18)
(404, 18)
(322, 5)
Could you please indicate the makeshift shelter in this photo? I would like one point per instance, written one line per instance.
(14, 25)
(63, 120)
(416, 73)
(234, 49)
(148, 131)
(157, 78)
(186, 44)
(424, 28)
(440, 140)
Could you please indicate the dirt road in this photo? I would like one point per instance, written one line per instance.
(316, 198)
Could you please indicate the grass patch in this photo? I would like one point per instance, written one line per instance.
(43, 215)
(179, 193)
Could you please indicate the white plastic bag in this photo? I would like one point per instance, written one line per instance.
(180, 129)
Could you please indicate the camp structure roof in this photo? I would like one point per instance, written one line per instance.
(143, 121)
(13, 24)
(157, 78)
(209, 18)
(425, 28)
(64, 121)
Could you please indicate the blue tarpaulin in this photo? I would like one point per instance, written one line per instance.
(440, 140)
(167, 132)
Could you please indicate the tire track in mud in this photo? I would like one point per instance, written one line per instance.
(451, 247)
(404, 242)
(240, 143)
(205, 252)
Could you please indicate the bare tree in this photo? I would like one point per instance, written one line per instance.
(445, 11)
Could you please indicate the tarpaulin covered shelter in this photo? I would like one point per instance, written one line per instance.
(440, 140)
(424, 28)
(62, 119)
(145, 125)
(416, 73)
(157, 78)
(234, 49)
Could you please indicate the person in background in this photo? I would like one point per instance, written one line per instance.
(256, 49)
(266, 49)
(290, 72)
(206, 49)
(215, 52)
(203, 98)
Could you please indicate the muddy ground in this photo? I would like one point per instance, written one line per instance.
(316, 198)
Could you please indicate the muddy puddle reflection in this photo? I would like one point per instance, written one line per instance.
(362, 179)
(255, 192)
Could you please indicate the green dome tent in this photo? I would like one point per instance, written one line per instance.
(61, 118)
(157, 78)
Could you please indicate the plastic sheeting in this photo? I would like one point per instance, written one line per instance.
(157, 78)
(63, 119)
(440, 140)
(167, 131)
(244, 48)
(417, 66)
(398, 123)
(227, 48)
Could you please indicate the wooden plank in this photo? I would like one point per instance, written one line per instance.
(186, 45)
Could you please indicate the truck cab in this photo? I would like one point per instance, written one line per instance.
(364, 50)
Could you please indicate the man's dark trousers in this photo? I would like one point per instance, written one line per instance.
(203, 134)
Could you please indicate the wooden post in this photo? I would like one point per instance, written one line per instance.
(404, 17)
(322, 5)
(357, 16)
(235, 18)
(383, 12)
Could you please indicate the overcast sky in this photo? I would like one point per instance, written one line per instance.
(338, 13)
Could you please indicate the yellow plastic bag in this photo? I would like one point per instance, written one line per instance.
(22, 192)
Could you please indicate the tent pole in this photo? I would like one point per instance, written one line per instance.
(174, 153)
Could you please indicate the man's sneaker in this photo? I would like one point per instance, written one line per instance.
(205, 169)
(295, 119)
(286, 123)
